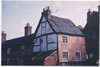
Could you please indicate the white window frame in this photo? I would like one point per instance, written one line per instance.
(80, 56)
(64, 39)
(64, 59)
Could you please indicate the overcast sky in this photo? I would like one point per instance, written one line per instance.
(15, 14)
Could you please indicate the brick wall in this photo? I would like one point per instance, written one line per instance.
(3, 37)
(51, 60)
(28, 30)
(75, 43)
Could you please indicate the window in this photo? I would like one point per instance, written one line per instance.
(8, 60)
(78, 56)
(65, 56)
(8, 51)
(91, 55)
(64, 39)
(22, 47)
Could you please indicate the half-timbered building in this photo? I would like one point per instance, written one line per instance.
(60, 34)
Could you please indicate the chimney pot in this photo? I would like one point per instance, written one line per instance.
(47, 12)
(3, 36)
(28, 29)
(89, 12)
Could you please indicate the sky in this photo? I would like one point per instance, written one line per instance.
(16, 14)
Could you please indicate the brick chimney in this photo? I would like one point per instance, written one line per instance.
(46, 12)
(3, 36)
(28, 30)
(89, 13)
(80, 27)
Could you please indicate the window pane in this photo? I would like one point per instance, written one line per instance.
(8, 51)
(65, 56)
(77, 56)
(64, 39)
(22, 47)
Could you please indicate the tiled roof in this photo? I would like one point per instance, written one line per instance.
(61, 25)
(18, 41)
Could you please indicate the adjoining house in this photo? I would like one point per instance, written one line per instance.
(18, 51)
(91, 31)
(62, 38)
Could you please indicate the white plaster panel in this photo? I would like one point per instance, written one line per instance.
(36, 49)
(43, 44)
(52, 46)
(52, 38)
(39, 31)
(48, 28)
(43, 19)
(37, 42)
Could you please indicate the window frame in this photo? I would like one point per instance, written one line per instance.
(64, 39)
(76, 56)
(63, 58)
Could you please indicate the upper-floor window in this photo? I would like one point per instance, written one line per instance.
(64, 39)
(8, 51)
(65, 56)
(78, 56)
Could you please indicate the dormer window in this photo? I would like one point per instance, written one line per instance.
(64, 39)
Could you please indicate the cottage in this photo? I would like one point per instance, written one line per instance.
(18, 51)
(61, 35)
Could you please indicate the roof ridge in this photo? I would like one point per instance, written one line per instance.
(60, 17)
(64, 25)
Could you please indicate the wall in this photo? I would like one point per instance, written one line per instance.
(45, 43)
(75, 43)
(51, 60)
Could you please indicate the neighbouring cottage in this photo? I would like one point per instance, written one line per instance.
(91, 31)
(18, 51)
(60, 38)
